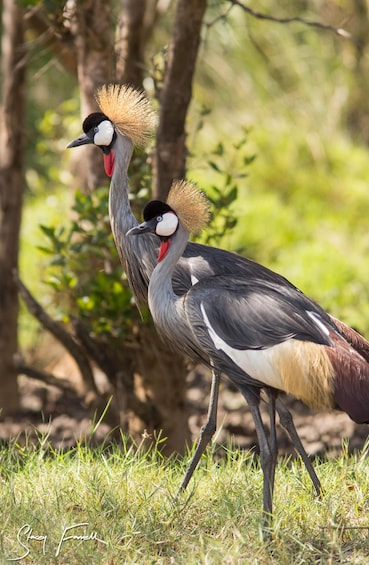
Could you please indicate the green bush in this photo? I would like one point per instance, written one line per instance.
(85, 272)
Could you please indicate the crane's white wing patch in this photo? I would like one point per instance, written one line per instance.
(314, 316)
(260, 364)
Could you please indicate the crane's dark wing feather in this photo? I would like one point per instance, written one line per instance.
(257, 313)
(200, 261)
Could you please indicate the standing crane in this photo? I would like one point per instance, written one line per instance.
(127, 120)
(258, 331)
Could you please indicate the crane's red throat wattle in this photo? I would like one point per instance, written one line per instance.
(109, 162)
(163, 249)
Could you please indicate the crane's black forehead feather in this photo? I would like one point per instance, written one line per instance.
(155, 208)
(93, 120)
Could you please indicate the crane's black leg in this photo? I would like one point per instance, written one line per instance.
(286, 420)
(267, 459)
(273, 443)
(207, 430)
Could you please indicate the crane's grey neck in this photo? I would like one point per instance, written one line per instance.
(137, 254)
(119, 207)
(163, 301)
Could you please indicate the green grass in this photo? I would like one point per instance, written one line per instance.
(126, 498)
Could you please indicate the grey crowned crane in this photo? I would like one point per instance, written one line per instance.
(259, 331)
(126, 119)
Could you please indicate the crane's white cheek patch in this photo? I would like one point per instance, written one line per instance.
(168, 225)
(194, 280)
(104, 135)
(260, 364)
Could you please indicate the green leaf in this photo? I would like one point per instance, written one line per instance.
(214, 166)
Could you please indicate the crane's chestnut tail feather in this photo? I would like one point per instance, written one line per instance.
(351, 381)
(356, 341)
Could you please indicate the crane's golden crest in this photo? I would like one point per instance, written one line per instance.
(190, 204)
(129, 110)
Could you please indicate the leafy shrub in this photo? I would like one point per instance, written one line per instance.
(85, 271)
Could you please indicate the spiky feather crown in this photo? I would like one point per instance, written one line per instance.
(190, 204)
(129, 110)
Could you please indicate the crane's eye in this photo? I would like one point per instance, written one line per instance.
(96, 129)
(159, 219)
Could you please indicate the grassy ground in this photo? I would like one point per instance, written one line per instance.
(123, 501)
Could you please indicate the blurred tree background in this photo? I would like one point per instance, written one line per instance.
(276, 134)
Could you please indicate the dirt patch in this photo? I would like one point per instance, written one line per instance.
(322, 433)
(61, 418)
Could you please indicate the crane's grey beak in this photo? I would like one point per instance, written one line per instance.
(82, 140)
(145, 227)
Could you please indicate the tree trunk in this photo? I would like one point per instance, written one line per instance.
(160, 382)
(170, 156)
(12, 119)
(91, 31)
(358, 100)
(148, 382)
(54, 35)
(130, 44)
(133, 32)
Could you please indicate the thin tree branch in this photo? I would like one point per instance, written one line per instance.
(43, 376)
(60, 333)
(99, 355)
(312, 23)
(58, 41)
